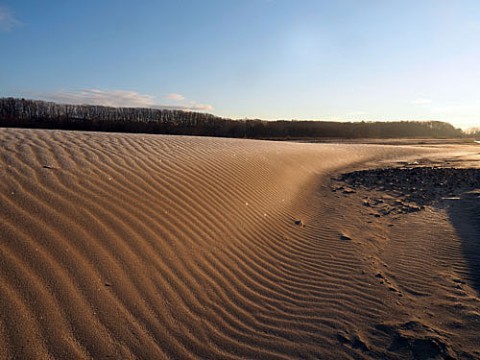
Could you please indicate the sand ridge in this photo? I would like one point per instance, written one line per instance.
(144, 246)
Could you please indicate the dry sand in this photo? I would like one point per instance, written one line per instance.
(159, 247)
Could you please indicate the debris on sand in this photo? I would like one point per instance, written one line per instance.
(412, 188)
(414, 340)
(299, 222)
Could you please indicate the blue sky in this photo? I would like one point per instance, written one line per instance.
(271, 59)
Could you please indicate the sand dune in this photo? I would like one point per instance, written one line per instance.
(160, 247)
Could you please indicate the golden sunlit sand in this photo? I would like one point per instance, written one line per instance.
(127, 246)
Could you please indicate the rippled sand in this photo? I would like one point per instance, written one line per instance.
(130, 246)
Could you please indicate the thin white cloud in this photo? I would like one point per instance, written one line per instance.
(102, 97)
(7, 20)
(421, 101)
(180, 103)
(201, 107)
(175, 96)
(118, 98)
(191, 107)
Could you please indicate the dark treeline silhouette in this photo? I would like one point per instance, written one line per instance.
(48, 115)
(473, 132)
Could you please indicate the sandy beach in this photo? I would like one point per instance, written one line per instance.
(131, 246)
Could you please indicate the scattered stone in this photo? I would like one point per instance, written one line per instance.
(299, 222)
(345, 237)
(409, 208)
(415, 185)
(107, 284)
(48, 166)
(409, 189)
(413, 207)
(385, 211)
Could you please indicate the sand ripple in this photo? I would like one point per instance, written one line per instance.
(133, 246)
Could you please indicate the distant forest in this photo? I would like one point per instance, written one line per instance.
(48, 115)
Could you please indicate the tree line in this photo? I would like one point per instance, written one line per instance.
(473, 132)
(49, 115)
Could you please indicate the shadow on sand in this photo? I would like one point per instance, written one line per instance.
(465, 217)
(427, 185)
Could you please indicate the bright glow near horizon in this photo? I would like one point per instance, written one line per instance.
(272, 59)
